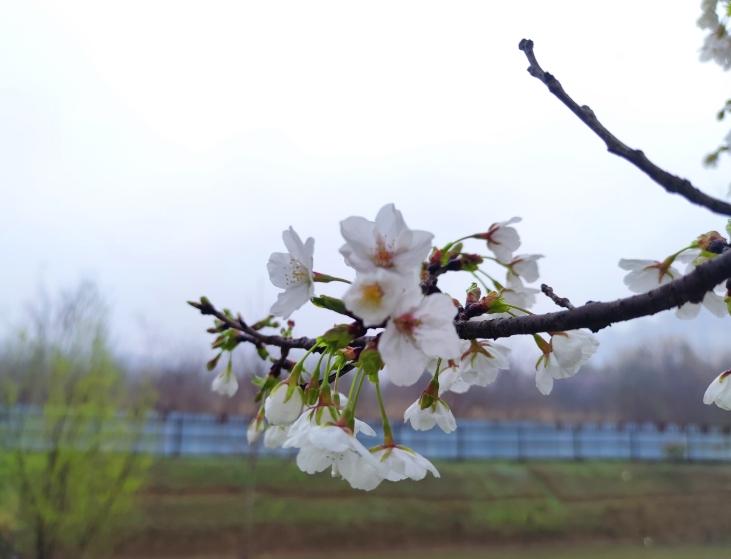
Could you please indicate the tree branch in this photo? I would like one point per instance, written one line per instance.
(595, 316)
(690, 288)
(668, 181)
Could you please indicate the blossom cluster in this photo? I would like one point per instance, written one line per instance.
(717, 44)
(645, 275)
(415, 335)
(402, 330)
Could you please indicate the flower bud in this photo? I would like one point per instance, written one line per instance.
(284, 404)
(719, 392)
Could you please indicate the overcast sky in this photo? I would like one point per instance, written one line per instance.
(160, 148)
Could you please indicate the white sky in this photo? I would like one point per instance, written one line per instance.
(160, 148)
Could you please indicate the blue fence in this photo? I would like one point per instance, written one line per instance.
(199, 435)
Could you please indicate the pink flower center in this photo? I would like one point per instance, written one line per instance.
(406, 324)
(383, 257)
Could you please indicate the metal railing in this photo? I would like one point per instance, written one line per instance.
(183, 434)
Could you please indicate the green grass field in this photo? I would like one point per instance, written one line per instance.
(225, 507)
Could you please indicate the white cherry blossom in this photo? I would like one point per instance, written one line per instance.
(417, 333)
(436, 414)
(516, 294)
(525, 266)
(719, 392)
(645, 275)
(321, 415)
(283, 407)
(275, 435)
(481, 361)
(502, 239)
(334, 446)
(386, 243)
(400, 462)
(375, 295)
(255, 429)
(712, 301)
(292, 271)
(225, 383)
(709, 18)
(450, 377)
(717, 47)
(567, 352)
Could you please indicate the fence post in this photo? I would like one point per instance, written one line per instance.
(633, 455)
(576, 442)
(460, 443)
(521, 443)
(178, 437)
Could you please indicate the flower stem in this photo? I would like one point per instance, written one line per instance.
(482, 283)
(503, 264)
(387, 432)
(526, 311)
(294, 377)
(325, 278)
(495, 282)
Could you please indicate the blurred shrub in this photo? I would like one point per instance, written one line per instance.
(70, 465)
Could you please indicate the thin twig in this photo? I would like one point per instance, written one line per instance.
(668, 181)
(551, 294)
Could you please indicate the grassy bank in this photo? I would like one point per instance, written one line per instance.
(227, 506)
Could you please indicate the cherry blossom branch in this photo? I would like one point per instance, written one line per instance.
(249, 334)
(670, 182)
(560, 301)
(690, 288)
(253, 336)
(594, 315)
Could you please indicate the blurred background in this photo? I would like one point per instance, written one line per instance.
(153, 152)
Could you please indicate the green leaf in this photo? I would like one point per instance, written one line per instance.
(337, 337)
(330, 303)
(266, 386)
(728, 227)
(262, 352)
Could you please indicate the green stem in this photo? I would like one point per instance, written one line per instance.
(352, 387)
(439, 364)
(482, 283)
(670, 259)
(526, 311)
(297, 369)
(325, 278)
(503, 264)
(495, 282)
(349, 411)
(387, 432)
(326, 379)
(316, 373)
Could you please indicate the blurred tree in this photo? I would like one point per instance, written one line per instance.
(73, 462)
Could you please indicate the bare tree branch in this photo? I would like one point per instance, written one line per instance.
(668, 181)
